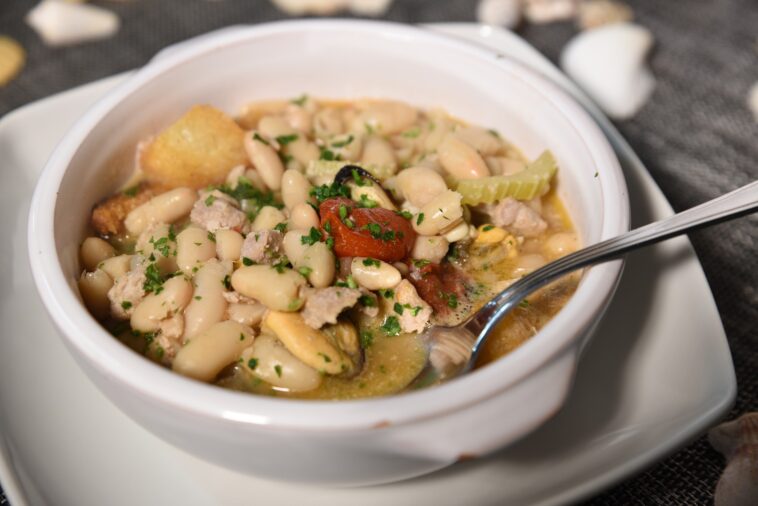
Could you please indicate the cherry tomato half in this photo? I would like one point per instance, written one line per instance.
(377, 233)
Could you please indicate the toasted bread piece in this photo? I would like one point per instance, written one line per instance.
(108, 216)
(198, 150)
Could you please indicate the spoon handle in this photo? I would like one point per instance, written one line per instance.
(737, 203)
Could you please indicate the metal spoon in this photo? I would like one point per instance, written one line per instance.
(454, 350)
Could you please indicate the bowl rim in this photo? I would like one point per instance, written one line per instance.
(117, 362)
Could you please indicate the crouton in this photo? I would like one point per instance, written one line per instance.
(198, 150)
(108, 216)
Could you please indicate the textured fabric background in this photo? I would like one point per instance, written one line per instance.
(696, 136)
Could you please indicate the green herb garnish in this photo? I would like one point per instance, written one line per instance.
(391, 326)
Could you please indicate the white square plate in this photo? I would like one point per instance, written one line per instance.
(657, 373)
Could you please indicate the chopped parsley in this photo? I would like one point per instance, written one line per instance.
(359, 180)
(252, 363)
(247, 262)
(419, 263)
(391, 326)
(301, 100)
(415, 310)
(367, 202)
(211, 237)
(209, 200)
(255, 198)
(330, 242)
(487, 228)
(326, 357)
(367, 301)
(242, 336)
(367, 339)
(398, 308)
(281, 227)
(227, 282)
(343, 143)
(278, 370)
(162, 245)
(327, 191)
(313, 237)
(450, 298)
(171, 233)
(368, 262)
(305, 270)
(388, 293)
(412, 133)
(283, 140)
(282, 264)
(420, 218)
(328, 155)
(131, 191)
(198, 297)
(125, 305)
(405, 214)
(260, 139)
(494, 133)
(524, 303)
(153, 280)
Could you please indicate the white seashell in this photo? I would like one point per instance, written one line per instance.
(12, 59)
(60, 23)
(326, 7)
(752, 101)
(505, 13)
(595, 13)
(609, 64)
(548, 11)
(738, 442)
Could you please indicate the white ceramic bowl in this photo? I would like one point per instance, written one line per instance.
(352, 442)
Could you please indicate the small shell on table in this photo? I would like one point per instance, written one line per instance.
(327, 7)
(506, 13)
(609, 63)
(549, 11)
(737, 440)
(752, 101)
(595, 13)
(12, 59)
(60, 23)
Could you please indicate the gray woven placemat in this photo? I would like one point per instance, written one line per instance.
(696, 136)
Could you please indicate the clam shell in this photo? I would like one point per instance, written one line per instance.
(752, 101)
(506, 13)
(549, 11)
(327, 7)
(61, 23)
(595, 13)
(738, 442)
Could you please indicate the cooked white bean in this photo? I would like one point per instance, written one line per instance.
(482, 140)
(246, 314)
(208, 305)
(293, 246)
(208, 353)
(276, 290)
(320, 260)
(93, 251)
(419, 185)
(193, 247)
(172, 299)
(116, 266)
(458, 233)
(303, 217)
(268, 217)
(372, 192)
(164, 208)
(295, 188)
(440, 126)
(432, 248)
(228, 244)
(159, 234)
(299, 118)
(442, 213)
(527, 263)
(255, 179)
(94, 288)
(311, 346)
(503, 166)
(388, 117)
(302, 150)
(461, 160)
(265, 160)
(347, 146)
(270, 361)
(232, 179)
(374, 277)
(560, 244)
(378, 152)
(328, 123)
(274, 126)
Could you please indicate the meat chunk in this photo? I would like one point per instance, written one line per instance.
(216, 210)
(323, 305)
(168, 341)
(262, 246)
(233, 297)
(517, 217)
(127, 292)
(108, 216)
(415, 313)
(444, 287)
(369, 303)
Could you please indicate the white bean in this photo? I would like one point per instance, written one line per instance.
(208, 304)
(295, 188)
(268, 217)
(461, 160)
(274, 126)
(374, 277)
(265, 160)
(293, 246)
(378, 152)
(93, 251)
(440, 126)
(246, 314)
(372, 192)
(482, 140)
(432, 248)
(441, 213)
(94, 288)
(320, 260)
(276, 290)
(172, 299)
(164, 208)
(303, 217)
(458, 233)
(116, 266)
(193, 247)
(311, 346)
(527, 263)
(303, 150)
(270, 361)
(347, 146)
(560, 244)
(159, 234)
(388, 117)
(328, 123)
(299, 118)
(228, 244)
(208, 353)
(419, 185)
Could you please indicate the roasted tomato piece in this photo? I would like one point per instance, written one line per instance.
(362, 232)
(442, 286)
